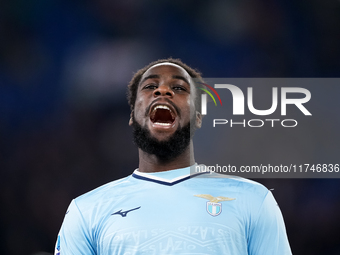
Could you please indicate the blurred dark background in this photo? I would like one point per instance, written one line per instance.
(64, 68)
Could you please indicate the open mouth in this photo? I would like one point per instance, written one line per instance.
(162, 115)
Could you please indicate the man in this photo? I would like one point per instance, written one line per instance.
(160, 208)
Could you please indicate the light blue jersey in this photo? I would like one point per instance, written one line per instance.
(171, 213)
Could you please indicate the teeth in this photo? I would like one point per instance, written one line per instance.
(161, 107)
(163, 124)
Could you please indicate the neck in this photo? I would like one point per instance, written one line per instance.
(150, 163)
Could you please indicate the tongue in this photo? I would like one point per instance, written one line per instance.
(162, 116)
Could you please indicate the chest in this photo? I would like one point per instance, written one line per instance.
(169, 221)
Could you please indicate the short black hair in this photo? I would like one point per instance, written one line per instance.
(133, 85)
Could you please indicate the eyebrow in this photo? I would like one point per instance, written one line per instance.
(151, 76)
(156, 76)
(179, 77)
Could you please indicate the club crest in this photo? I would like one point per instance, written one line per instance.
(214, 208)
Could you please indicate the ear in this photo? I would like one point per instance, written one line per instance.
(198, 119)
(131, 118)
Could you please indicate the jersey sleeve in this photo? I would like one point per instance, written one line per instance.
(74, 237)
(267, 231)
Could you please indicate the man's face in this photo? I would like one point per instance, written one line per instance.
(165, 101)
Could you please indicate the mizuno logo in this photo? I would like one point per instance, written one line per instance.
(123, 214)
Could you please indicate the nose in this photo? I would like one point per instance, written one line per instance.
(163, 90)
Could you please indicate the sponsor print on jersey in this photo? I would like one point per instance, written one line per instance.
(214, 208)
(176, 238)
(57, 247)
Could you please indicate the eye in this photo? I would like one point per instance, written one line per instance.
(179, 87)
(151, 86)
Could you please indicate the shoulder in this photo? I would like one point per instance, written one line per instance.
(248, 188)
(103, 194)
